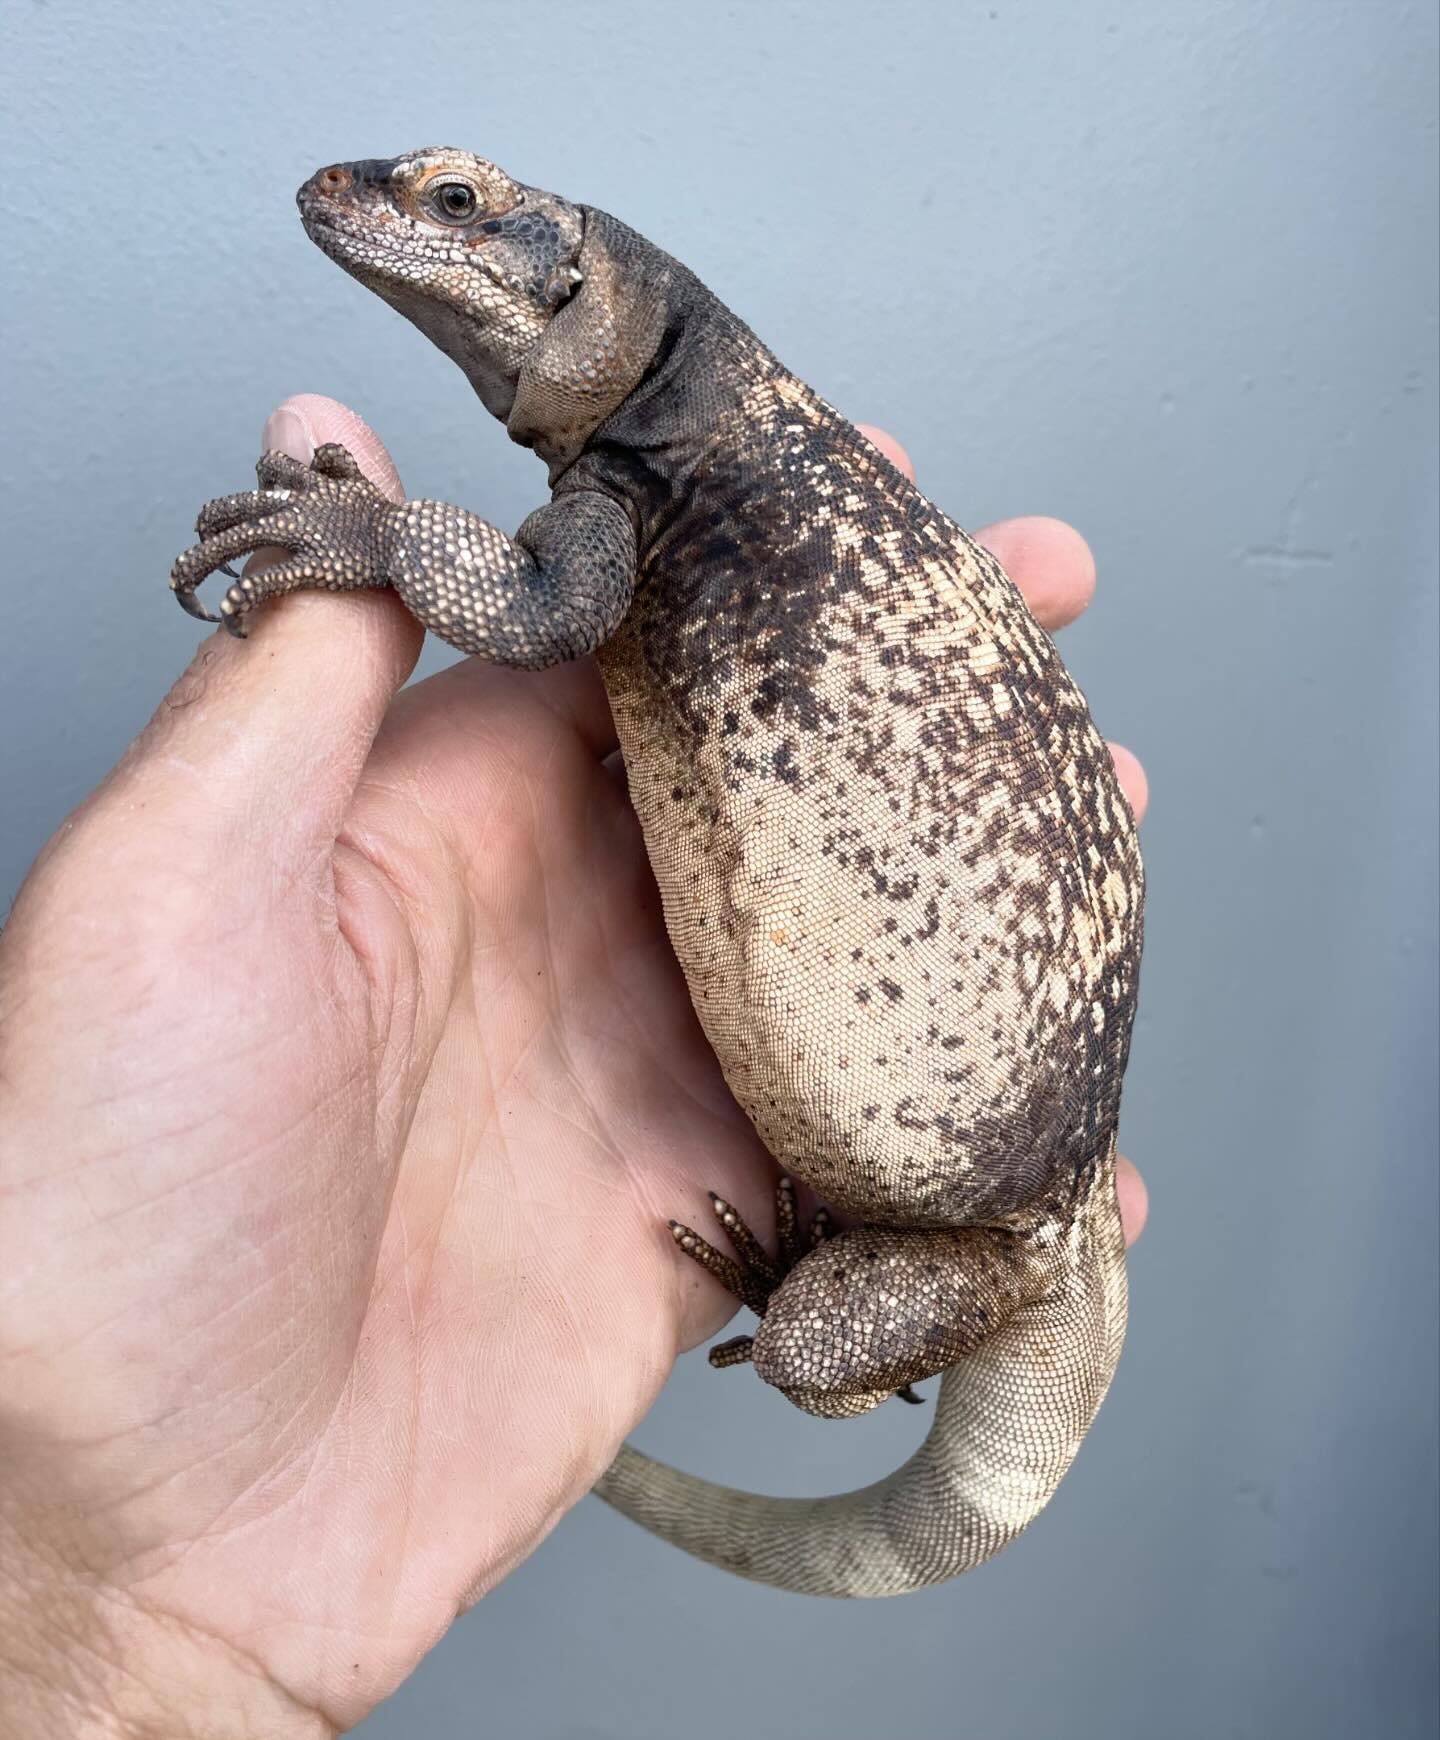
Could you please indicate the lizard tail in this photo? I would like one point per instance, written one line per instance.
(1008, 1422)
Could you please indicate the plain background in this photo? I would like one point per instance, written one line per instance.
(1166, 270)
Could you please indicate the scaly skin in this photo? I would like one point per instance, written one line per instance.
(895, 862)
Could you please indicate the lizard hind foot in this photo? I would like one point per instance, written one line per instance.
(752, 1274)
(738, 1351)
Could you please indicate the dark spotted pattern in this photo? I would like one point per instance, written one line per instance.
(876, 804)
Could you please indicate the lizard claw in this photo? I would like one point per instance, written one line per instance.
(190, 603)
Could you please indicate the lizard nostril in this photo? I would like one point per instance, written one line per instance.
(335, 179)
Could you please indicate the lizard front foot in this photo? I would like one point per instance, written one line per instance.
(326, 515)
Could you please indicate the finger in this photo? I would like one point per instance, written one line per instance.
(258, 585)
(1049, 561)
(261, 742)
(890, 447)
(307, 425)
(1134, 1199)
(300, 424)
(1132, 779)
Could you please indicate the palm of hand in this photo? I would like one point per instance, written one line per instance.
(448, 1077)
(367, 1274)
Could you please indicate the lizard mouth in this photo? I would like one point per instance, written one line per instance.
(348, 238)
(356, 248)
(329, 230)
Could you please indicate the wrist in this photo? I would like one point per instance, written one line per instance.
(86, 1660)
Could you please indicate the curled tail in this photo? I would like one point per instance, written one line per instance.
(1008, 1422)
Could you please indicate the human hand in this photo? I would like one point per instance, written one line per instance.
(347, 1081)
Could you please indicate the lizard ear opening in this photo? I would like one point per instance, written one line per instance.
(562, 284)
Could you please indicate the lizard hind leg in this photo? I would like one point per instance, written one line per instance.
(838, 1324)
(1008, 1420)
(880, 1308)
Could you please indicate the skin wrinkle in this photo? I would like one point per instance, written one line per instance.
(123, 1211)
(601, 941)
(148, 1203)
(387, 1008)
(231, 1303)
(79, 965)
(181, 1472)
(264, 1512)
(566, 1484)
(273, 1434)
(683, 1087)
(128, 1605)
(410, 902)
(140, 1570)
(91, 1441)
(552, 966)
(894, 861)
(545, 1035)
(100, 1157)
(234, 1303)
(443, 1210)
(413, 1408)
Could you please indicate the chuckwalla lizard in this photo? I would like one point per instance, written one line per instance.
(895, 863)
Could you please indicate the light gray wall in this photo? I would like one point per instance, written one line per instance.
(1166, 269)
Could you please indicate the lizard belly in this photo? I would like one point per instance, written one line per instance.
(895, 941)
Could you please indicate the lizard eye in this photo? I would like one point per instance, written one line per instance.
(456, 201)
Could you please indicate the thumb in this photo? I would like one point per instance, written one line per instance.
(261, 741)
(300, 424)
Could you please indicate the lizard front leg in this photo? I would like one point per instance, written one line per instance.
(553, 592)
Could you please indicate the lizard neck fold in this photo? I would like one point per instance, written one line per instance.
(700, 364)
(600, 345)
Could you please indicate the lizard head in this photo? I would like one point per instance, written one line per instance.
(480, 263)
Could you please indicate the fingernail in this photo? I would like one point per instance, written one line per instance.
(286, 431)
